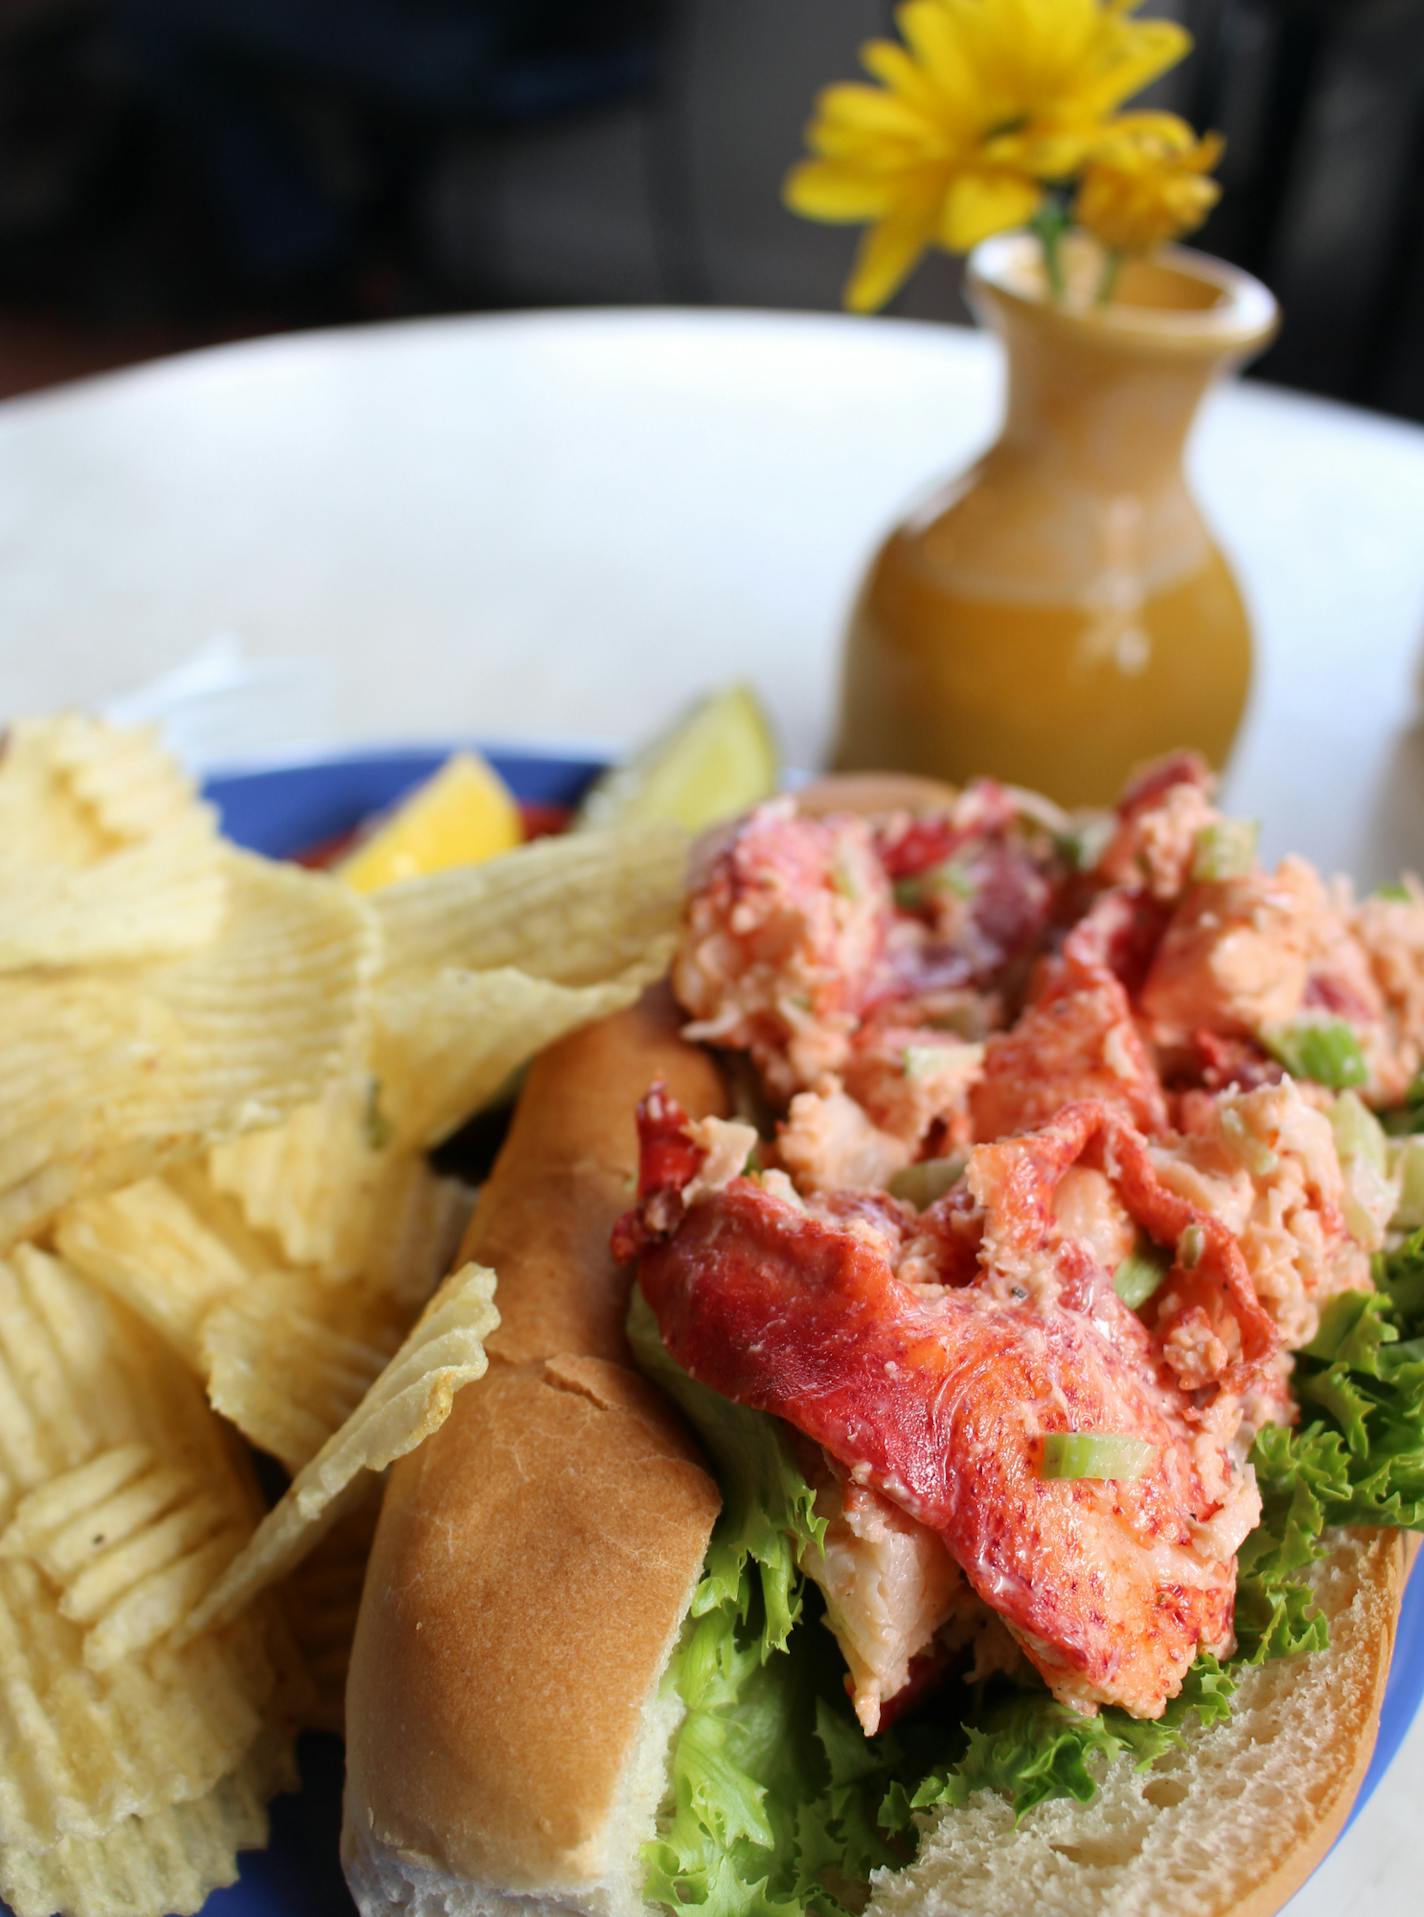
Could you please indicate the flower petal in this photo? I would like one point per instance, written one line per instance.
(873, 153)
(1046, 153)
(870, 110)
(1140, 194)
(1148, 48)
(888, 255)
(1207, 155)
(894, 68)
(823, 190)
(978, 204)
(930, 31)
(1136, 140)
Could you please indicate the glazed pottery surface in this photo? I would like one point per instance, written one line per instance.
(1062, 611)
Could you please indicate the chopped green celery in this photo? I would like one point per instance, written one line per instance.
(844, 880)
(1406, 1163)
(1084, 845)
(920, 1185)
(1408, 1117)
(951, 876)
(954, 876)
(1242, 1143)
(1396, 891)
(1141, 1273)
(918, 1061)
(1325, 1050)
(1190, 1247)
(1358, 1133)
(1225, 850)
(969, 1020)
(1363, 1151)
(1095, 1454)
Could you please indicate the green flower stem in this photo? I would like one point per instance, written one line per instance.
(1107, 281)
(1050, 223)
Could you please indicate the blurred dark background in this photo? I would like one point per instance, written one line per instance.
(175, 172)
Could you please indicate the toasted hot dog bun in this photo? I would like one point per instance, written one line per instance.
(872, 792)
(507, 1743)
(535, 1559)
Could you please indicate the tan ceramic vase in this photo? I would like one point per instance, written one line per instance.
(1062, 612)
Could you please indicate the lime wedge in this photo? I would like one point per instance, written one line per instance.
(717, 759)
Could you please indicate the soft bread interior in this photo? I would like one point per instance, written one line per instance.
(1232, 1823)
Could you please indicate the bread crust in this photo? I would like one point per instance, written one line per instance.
(1384, 1569)
(871, 792)
(535, 1559)
(566, 1174)
(530, 1573)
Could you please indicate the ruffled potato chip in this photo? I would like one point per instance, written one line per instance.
(171, 1248)
(130, 1543)
(445, 1045)
(124, 776)
(414, 1233)
(485, 965)
(576, 910)
(287, 1359)
(218, 1077)
(105, 1077)
(79, 1376)
(85, 1739)
(286, 1353)
(411, 1399)
(143, 901)
(43, 821)
(331, 1190)
(312, 1182)
(321, 1599)
(106, 853)
(80, 1748)
(168, 1861)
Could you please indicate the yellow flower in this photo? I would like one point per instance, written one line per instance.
(984, 101)
(1147, 184)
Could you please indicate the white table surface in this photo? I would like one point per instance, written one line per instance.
(562, 525)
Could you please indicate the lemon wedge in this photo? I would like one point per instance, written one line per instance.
(717, 759)
(461, 815)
